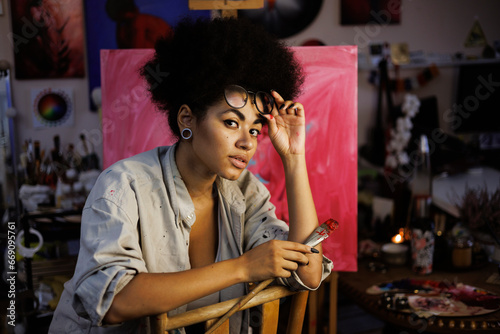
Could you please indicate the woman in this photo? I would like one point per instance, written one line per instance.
(180, 227)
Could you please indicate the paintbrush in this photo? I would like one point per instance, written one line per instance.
(317, 236)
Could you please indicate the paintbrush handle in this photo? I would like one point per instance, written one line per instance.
(245, 299)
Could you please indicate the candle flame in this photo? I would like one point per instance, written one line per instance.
(397, 238)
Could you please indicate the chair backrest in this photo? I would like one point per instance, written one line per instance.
(269, 299)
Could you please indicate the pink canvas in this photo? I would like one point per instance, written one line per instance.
(131, 125)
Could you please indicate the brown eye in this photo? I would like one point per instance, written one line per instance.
(255, 132)
(231, 123)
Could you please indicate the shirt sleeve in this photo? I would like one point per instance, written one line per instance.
(262, 225)
(110, 253)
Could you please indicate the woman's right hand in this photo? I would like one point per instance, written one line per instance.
(275, 258)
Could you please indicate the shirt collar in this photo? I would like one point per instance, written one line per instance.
(181, 200)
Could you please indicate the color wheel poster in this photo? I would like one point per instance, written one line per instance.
(52, 107)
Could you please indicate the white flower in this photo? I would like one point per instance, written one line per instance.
(410, 105)
(401, 133)
(390, 161)
(400, 125)
(408, 123)
(405, 137)
(403, 158)
(398, 145)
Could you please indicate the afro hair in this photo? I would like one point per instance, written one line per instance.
(203, 56)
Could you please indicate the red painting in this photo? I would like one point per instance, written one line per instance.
(47, 39)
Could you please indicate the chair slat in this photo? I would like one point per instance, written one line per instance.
(297, 312)
(222, 329)
(270, 315)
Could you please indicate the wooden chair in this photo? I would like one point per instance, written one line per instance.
(269, 298)
(316, 302)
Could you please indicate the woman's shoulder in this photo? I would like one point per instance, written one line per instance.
(145, 166)
(145, 162)
(127, 176)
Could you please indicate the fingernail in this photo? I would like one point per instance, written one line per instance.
(291, 105)
(271, 116)
(307, 263)
(314, 250)
(282, 106)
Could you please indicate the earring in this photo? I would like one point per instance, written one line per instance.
(188, 136)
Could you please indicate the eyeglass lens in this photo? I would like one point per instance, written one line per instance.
(237, 97)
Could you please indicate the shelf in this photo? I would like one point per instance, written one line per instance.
(437, 62)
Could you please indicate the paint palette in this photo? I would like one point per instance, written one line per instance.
(439, 298)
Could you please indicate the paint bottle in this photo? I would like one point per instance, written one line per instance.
(422, 236)
(422, 225)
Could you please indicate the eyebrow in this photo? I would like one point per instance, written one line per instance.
(259, 120)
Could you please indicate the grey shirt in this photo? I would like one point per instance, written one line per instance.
(137, 219)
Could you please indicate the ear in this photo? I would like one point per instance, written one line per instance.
(185, 117)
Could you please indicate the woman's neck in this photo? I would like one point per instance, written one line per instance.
(198, 182)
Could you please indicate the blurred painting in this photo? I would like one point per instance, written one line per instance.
(47, 38)
(354, 12)
(129, 24)
(284, 18)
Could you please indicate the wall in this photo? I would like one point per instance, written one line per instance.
(85, 120)
(427, 25)
(430, 26)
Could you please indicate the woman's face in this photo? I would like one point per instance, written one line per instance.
(225, 140)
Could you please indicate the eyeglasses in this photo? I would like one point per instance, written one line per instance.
(237, 97)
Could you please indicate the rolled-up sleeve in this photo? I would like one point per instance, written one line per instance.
(110, 253)
(262, 225)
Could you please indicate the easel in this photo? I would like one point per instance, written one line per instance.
(229, 8)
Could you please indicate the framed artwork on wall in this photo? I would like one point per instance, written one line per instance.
(128, 24)
(47, 39)
(358, 12)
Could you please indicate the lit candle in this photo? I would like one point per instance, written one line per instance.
(397, 239)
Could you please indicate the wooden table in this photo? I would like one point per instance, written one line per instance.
(354, 285)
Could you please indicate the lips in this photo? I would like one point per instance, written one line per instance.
(239, 161)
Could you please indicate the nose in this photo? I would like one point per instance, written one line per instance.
(246, 141)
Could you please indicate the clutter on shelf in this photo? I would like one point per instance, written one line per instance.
(61, 178)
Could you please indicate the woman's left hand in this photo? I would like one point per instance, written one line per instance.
(287, 127)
